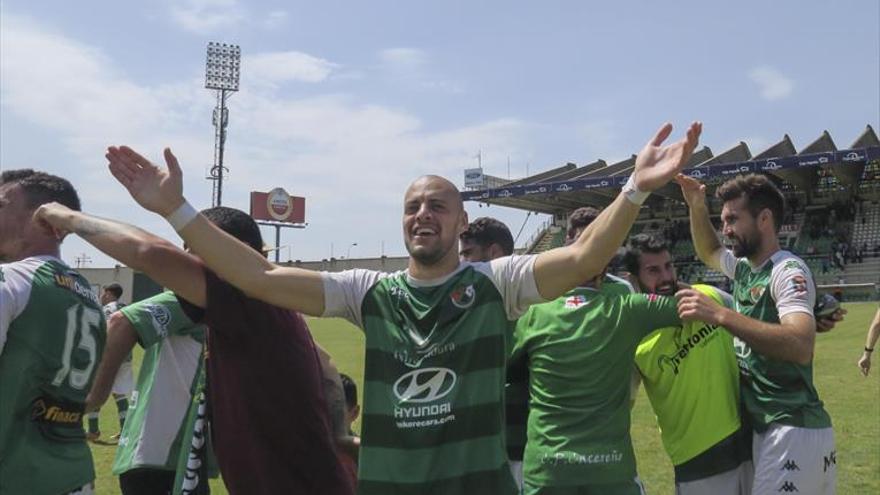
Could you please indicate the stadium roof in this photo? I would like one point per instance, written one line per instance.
(565, 188)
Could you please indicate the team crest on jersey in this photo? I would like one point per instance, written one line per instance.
(575, 302)
(799, 284)
(161, 318)
(756, 292)
(463, 296)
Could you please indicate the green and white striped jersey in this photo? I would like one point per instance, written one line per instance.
(434, 374)
(775, 391)
(52, 334)
(152, 435)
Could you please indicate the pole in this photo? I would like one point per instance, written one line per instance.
(277, 242)
(222, 145)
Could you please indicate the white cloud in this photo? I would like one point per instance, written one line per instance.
(403, 58)
(350, 158)
(772, 84)
(207, 16)
(281, 67)
(410, 66)
(275, 19)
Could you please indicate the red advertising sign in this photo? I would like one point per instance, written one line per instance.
(278, 206)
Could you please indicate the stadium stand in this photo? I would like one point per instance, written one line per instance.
(833, 196)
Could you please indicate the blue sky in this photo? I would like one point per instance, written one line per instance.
(346, 102)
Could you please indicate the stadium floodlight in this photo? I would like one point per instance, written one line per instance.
(223, 66)
(222, 70)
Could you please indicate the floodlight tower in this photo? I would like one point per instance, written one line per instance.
(221, 75)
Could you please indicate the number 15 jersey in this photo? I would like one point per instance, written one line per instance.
(52, 334)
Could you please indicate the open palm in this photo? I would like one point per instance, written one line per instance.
(657, 164)
(159, 190)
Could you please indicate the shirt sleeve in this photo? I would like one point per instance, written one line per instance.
(792, 287)
(16, 280)
(345, 291)
(158, 317)
(514, 276)
(648, 312)
(728, 263)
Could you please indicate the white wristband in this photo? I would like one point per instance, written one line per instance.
(632, 192)
(182, 216)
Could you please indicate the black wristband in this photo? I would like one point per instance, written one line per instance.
(868, 350)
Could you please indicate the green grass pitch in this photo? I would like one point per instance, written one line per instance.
(852, 400)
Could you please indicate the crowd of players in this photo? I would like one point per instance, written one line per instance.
(485, 372)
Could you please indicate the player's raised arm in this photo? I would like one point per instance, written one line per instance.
(164, 262)
(706, 242)
(160, 190)
(558, 270)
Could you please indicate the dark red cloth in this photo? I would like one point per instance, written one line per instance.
(270, 423)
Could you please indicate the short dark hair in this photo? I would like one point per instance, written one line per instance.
(351, 390)
(760, 193)
(114, 289)
(41, 188)
(580, 219)
(642, 243)
(486, 231)
(238, 224)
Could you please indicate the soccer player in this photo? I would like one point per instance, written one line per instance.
(436, 333)
(264, 445)
(123, 383)
(484, 240)
(51, 337)
(870, 342)
(774, 329)
(580, 349)
(691, 379)
(149, 446)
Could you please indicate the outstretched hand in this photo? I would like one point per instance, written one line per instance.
(157, 189)
(694, 191)
(656, 165)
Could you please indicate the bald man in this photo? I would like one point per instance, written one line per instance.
(436, 333)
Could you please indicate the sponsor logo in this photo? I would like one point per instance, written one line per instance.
(73, 284)
(771, 166)
(576, 458)
(563, 188)
(852, 156)
(788, 487)
(505, 193)
(425, 385)
(830, 460)
(424, 388)
(604, 183)
(473, 175)
(54, 414)
(540, 190)
(823, 159)
(463, 296)
(699, 339)
(161, 318)
(792, 265)
(696, 174)
(415, 359)
(790, 465)
(278, 204)
(575, 302)
(741, 349)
